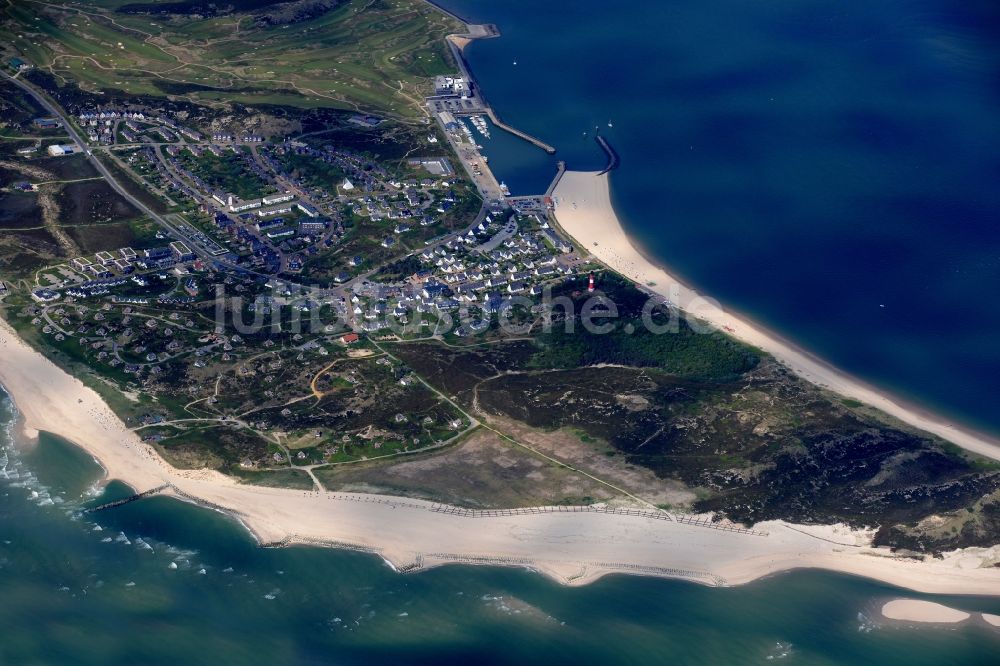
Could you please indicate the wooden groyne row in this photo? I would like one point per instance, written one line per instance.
(613, 159)
(127, 500)
(480, 559)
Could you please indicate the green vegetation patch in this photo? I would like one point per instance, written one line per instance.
(228, 172)
(284, 478)
(680, 349)
(762, 446)
(352, 54)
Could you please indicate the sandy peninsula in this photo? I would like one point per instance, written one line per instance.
(571, 546)
(584, 211)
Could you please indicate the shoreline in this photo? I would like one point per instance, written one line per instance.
(920, 613)
(572, 547)
(925, 612)
(801, 361)
(584, 212)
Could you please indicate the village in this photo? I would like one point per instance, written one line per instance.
(379, 242)
(270, 206)
(278, 269)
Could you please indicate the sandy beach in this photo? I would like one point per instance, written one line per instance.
(571, 547)
(914, 610)
(584, 211)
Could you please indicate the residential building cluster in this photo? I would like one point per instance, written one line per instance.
(479, 271)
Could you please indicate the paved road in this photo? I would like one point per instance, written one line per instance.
(200, 250)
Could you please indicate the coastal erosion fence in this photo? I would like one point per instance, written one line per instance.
(499, 513)
(620, 511)
(725, 527)
(446, 509)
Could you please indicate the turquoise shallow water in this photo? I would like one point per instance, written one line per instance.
(828, 168)
(162, 582)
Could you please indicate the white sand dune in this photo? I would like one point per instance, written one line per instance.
(584, 211)
(572, 548)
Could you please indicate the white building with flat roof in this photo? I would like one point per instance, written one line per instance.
(275, 210)
(240, 206)
(63, 149)
(278, 198)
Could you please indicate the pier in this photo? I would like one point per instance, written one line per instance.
(518, 133)
(484, 31)
(560, 170)
(613, 160)
(128, 500)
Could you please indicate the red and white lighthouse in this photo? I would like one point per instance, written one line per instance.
(590, 284)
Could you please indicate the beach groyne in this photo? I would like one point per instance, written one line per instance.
(127, 500)
(612, 154)
(560, 170)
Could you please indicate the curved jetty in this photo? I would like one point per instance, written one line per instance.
(613, 160)
(518, 133)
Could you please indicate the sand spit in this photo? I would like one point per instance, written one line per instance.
(584, 211)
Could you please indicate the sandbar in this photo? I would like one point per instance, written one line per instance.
(914, 610)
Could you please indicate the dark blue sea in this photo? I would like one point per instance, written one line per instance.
(829, 169)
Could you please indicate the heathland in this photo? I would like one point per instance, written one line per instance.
(347, 54)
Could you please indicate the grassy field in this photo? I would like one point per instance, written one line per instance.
(375, 56)
(228, 173)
